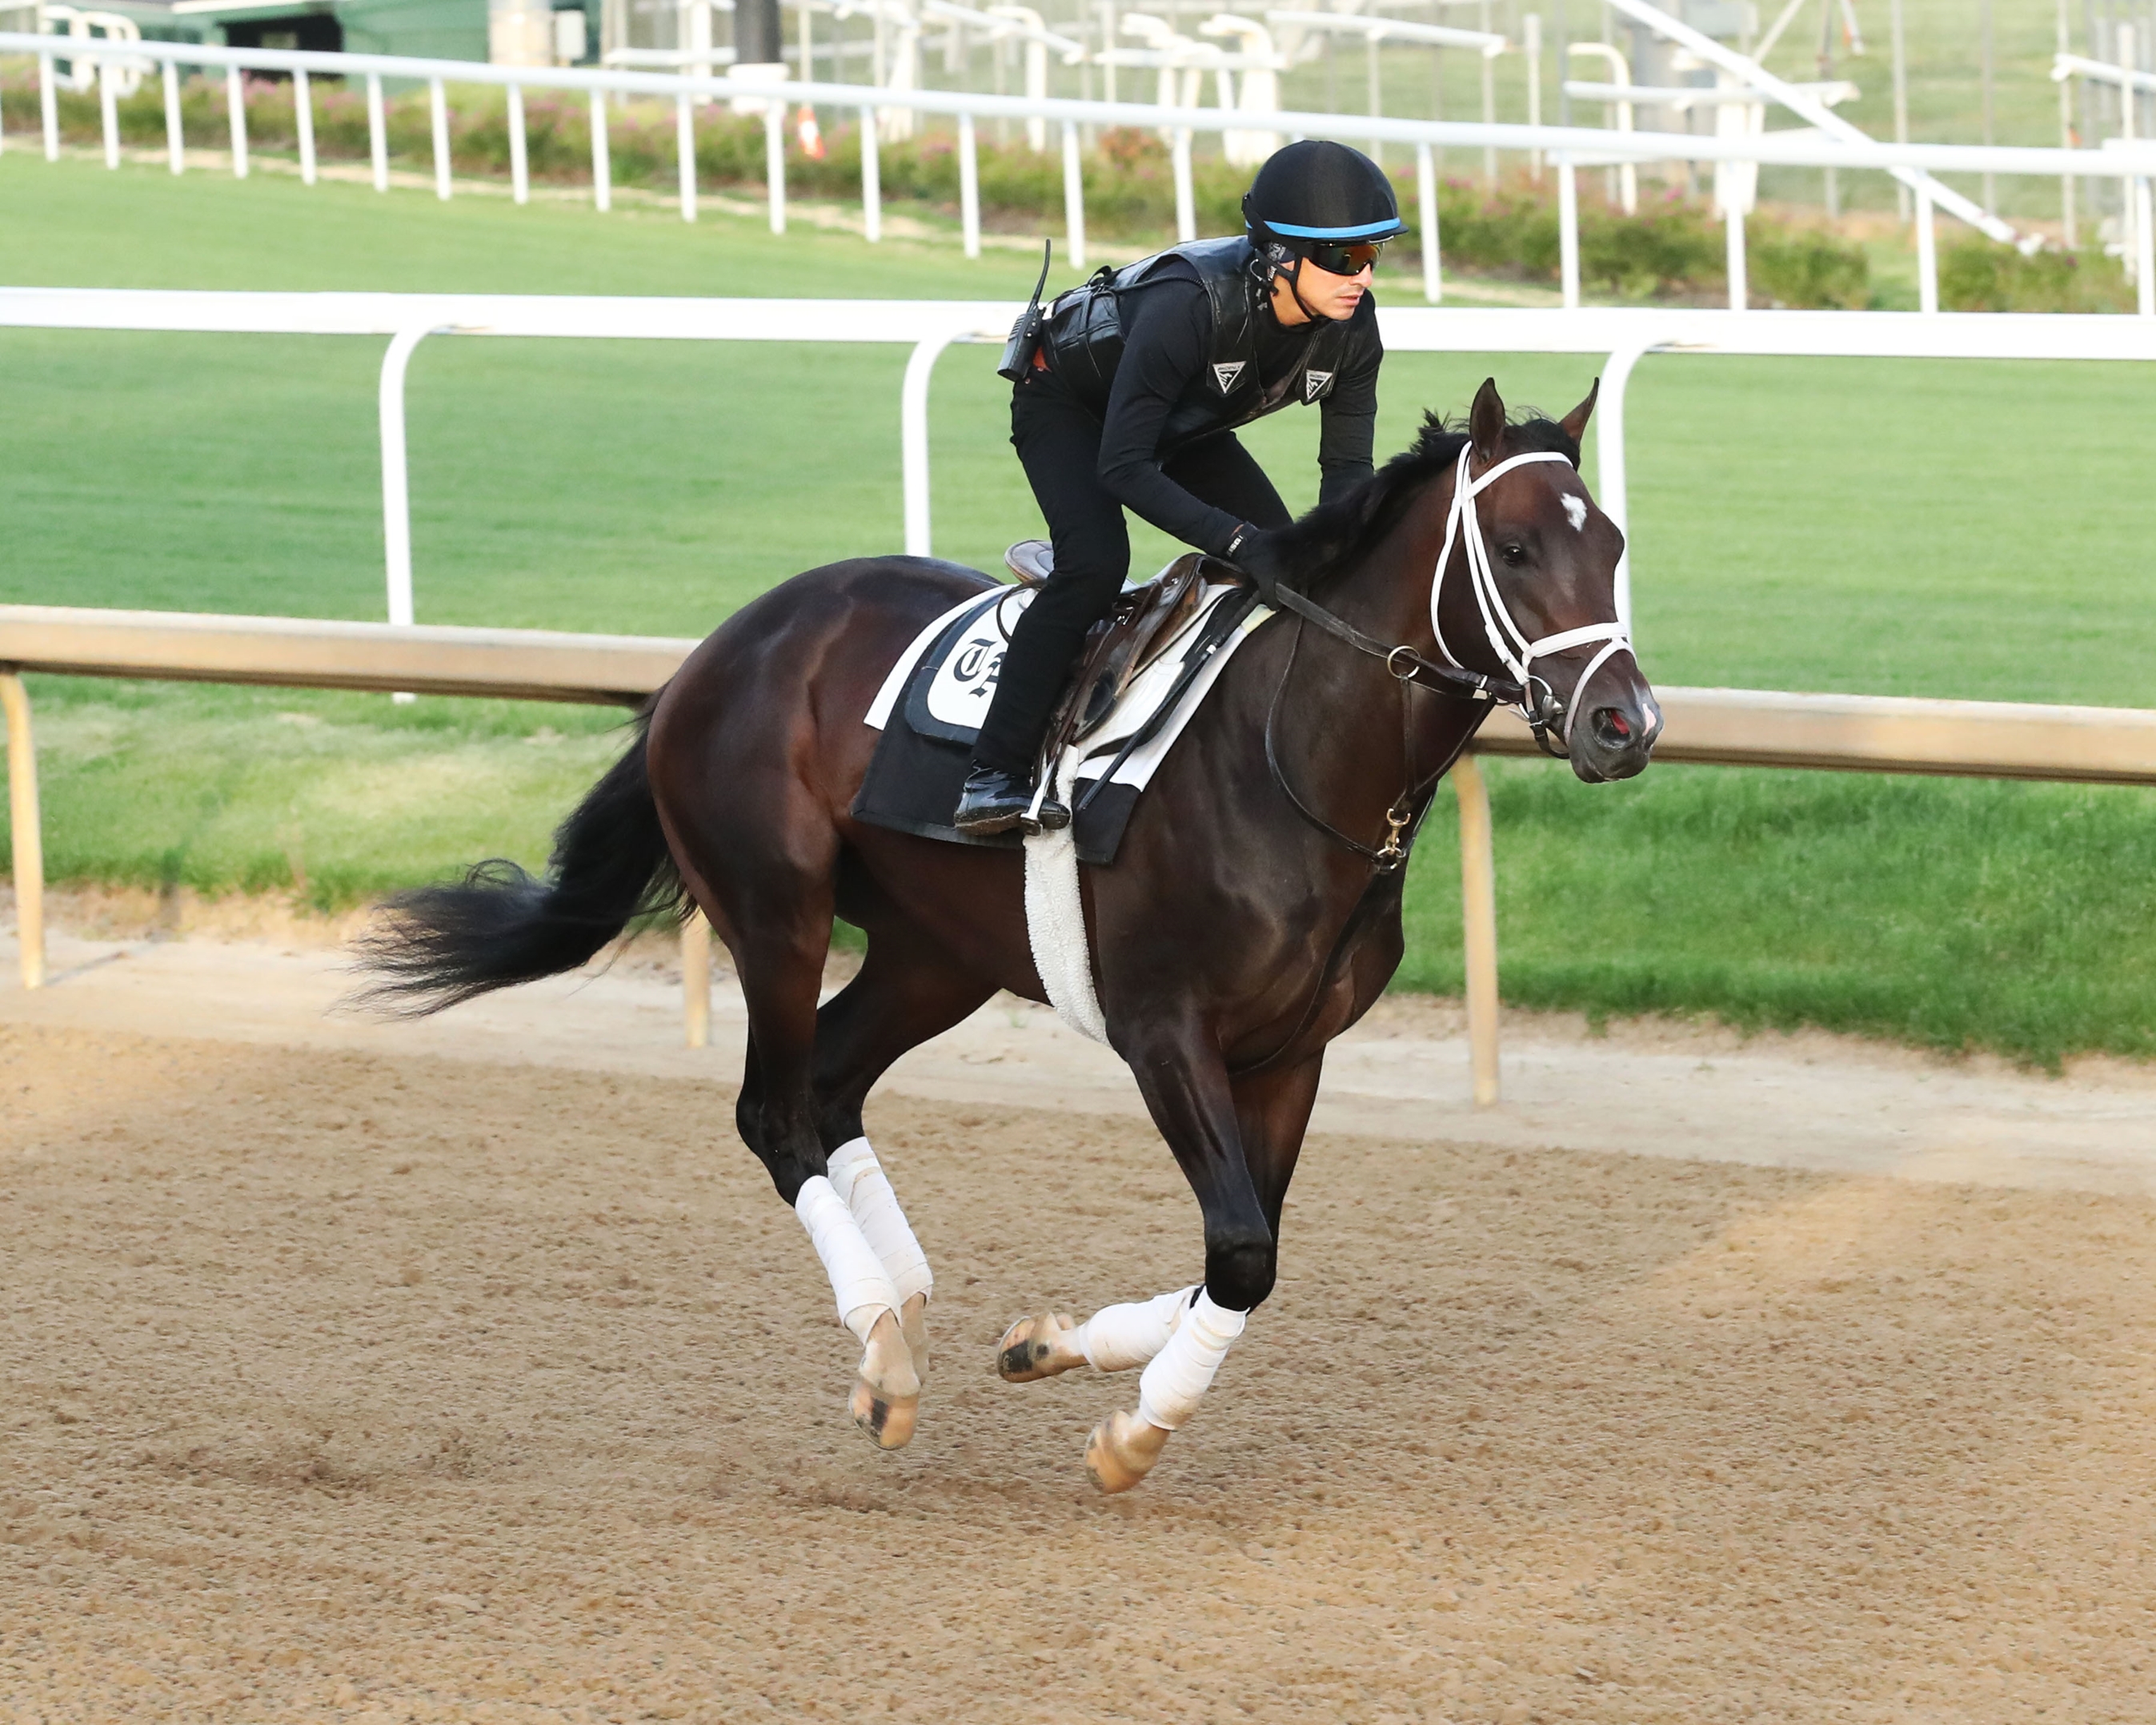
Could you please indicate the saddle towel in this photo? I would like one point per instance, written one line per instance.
(931, 703)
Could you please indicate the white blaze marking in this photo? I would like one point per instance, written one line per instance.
(1575, 509)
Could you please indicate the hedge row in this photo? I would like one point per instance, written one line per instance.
(1672, 249)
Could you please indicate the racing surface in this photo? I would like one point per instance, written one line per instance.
(342, 1386)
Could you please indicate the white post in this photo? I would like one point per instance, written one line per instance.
(913, 441)
(1074, 198)
(1567, 231)
(969, 187)
(1186, 199)
(2066, 211)
(1489, 102)
(303, 112)
(2144, 247)
(774, 163)
(1478, 916)
(871, 176)
(27, 841)
(602, 162)
(1531, 32)
(2129, 114)
(396, 492)
(1901, 76)
(377, 133)
(685, 141)
(438, 106)
(48, 109)
(1928, 252)
(1433, 284)
(235, 103)
(108, 111)
(175, 142)
(1610, 482)
(519, 163)
(1740, 292)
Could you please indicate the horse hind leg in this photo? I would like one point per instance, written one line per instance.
(1116, 1338)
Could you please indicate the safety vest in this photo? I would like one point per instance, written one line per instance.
(1084, 343)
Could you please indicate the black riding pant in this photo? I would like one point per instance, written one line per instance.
(1059, 444)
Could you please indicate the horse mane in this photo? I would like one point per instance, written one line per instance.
(1333, 537)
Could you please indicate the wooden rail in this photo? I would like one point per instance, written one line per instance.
(1740, 728)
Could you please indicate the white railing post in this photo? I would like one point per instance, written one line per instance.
(1928, 251)
(303, 112)
(913, 441)
(1611, 483)
(602, 162)
(235, 104)
(438, 112)
(520, 162)
(1074, 197)
(49, 113)
(970, 188)
(774, 163)
(1186, 200)
(685, 146)
(871, 180)
(27, 839)
(175, 142)
(2144, 247)
(396, 489)
(1433, 284)
(108, 111)
(377, 133)
(1740, 290)
(1567, 231)
(1478, 916)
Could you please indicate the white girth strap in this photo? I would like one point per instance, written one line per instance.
(1055, 917)
(1181, 1373)
(1518, 654)
(859, 1178)
(860, 1283)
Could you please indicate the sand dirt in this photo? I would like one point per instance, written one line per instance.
(484, 1378)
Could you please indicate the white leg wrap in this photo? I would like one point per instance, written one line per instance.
(860, 1179)
(860, 1282)
(1181, 1373)
(1116, 1337)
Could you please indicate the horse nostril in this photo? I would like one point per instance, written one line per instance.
(1612, 729)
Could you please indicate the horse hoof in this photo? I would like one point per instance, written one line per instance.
(1030, 1349)
(1123, 1450)
(887, 1399)
(887, 1420)
(913, 1324)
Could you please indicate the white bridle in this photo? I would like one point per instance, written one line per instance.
(1507, 640)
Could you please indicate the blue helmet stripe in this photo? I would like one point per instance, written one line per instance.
(1392, 226)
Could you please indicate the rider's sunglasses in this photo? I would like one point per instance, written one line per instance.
(1335, 259)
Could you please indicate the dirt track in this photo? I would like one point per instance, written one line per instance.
(339, 1386)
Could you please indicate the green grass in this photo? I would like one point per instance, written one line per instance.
(1962, 530)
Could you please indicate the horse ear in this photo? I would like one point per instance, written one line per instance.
(1575, 421)
(1486, 421)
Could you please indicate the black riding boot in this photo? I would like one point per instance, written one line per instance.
(994, 801)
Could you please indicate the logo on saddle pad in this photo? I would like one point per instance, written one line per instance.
(1315, 384)
(1228, 373)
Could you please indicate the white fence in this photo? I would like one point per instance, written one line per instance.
(1618, 336)
(1568, 148)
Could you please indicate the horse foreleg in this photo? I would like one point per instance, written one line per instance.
(1116, 1338)
(858, 1178)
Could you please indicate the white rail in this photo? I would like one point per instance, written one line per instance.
(1620, 336)
(2132, 162)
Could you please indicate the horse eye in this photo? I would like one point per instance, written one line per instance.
(1514, 551)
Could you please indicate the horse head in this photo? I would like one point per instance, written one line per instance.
(1526, 588)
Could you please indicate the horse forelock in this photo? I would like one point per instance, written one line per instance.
(1333, 538)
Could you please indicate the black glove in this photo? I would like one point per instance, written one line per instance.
(1256, 552)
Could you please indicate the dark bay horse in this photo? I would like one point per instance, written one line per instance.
(1252, 912)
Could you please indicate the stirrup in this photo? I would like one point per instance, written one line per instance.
(1033, 561)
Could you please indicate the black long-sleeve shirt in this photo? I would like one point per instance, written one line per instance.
(1168, 326)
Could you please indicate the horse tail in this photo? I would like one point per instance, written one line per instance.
(499, 925)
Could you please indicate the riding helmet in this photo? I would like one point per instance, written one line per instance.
(1318, 190)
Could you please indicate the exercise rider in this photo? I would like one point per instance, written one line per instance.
(1131, 399)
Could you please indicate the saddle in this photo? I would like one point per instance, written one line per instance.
(1145, 618)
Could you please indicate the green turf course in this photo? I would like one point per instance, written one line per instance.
(1975, 531)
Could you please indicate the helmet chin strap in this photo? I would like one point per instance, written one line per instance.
(1291, 275)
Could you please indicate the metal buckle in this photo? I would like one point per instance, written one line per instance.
(1392, 853)
(1407, 675)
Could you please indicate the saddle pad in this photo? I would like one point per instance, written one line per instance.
(934, 698)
